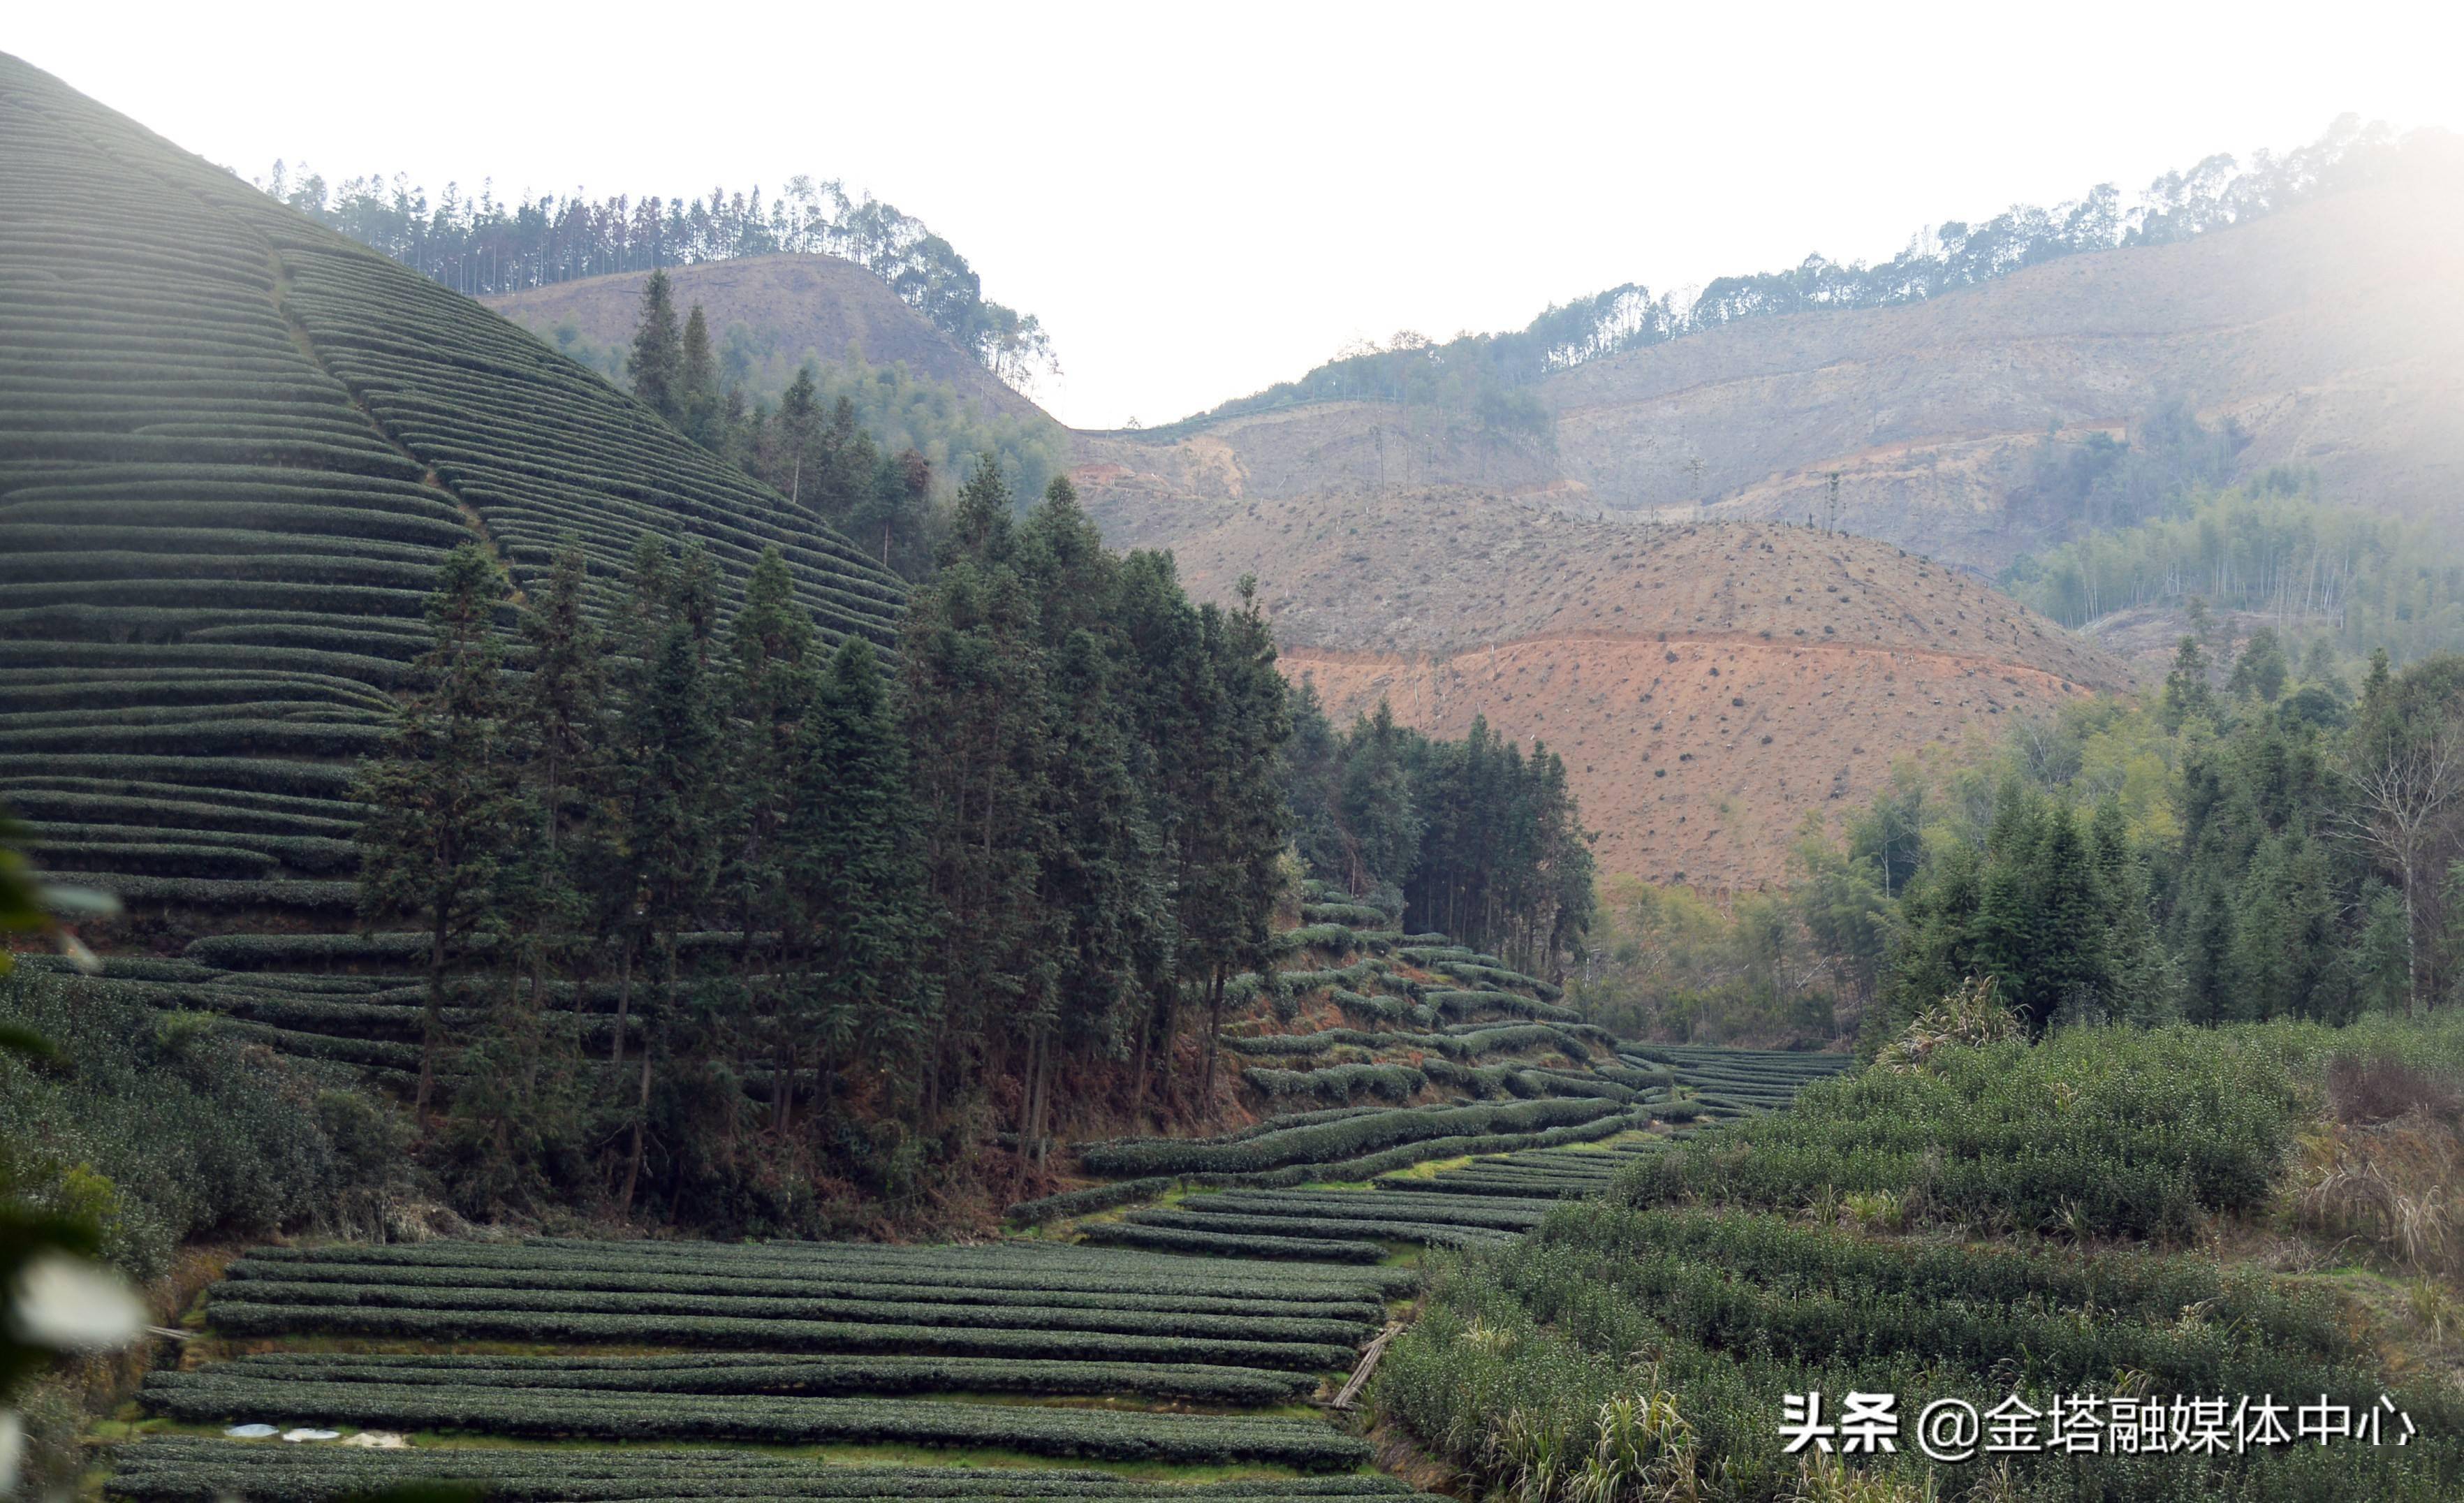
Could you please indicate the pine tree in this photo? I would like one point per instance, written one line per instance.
(977, 729)
(2070, 968)
(2186, 686)
(1244, 818)
(2260, 671)
(445, 813)
(846, 465)
(669, 817)
(1099, 882)
(559, 719)
(656, 841)
(700, 409)
(2258, 963)
(980, 522)
(1312, 778)
(864, 999)
(1378, 812)
(656, 364)
(768, 691)
(789, 458)
(891, 516)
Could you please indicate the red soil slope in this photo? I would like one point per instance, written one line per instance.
(1708, 685)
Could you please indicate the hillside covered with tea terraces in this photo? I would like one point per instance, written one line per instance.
(235, 449)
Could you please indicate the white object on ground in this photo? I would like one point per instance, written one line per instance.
(304, 1433)
(249, 1432)
(378, 1440)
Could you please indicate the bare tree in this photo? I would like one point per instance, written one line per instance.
(2406, 806)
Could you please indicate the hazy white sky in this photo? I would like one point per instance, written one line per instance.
(1201, 200)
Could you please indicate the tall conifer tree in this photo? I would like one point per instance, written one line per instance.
(445, 813)
(656, 364)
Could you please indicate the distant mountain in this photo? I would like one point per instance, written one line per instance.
(1554, 568)
(2332, 333)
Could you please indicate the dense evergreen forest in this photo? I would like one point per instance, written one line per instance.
(2258, 841)
(480, 244)
(843, 909)
(1469, 839)
(1479, 373)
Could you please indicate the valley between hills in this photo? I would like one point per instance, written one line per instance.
(589, 921)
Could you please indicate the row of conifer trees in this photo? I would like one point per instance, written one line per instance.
(720, 917)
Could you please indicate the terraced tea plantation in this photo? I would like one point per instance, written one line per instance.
(1133, 1357)
(1196, 1305)
(234, 449)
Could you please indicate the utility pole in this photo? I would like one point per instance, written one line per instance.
(1831, 518)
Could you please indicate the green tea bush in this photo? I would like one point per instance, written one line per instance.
(152, 859)
(1726, 1314)
(1370, 1010)
(250, 1319)
(1230, 1245)
(1345, 1082)
(1033, 1265)
(1438, 1206)
(1432, 1233)
(720, 1374)
(1358, 915)
(1328, 936)
(2111, 1132)
(1496, 976)
(1094, 1433)
(920, 1313)
(170, 1465)
(1328, 1143)
(262, 1275)
(212, 892)
(1360, 974)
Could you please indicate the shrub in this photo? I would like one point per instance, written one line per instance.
(1394, 1082)
(194, 1133)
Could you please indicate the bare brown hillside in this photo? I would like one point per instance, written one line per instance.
(2333, 332)
(816, 305)
(1708, 684)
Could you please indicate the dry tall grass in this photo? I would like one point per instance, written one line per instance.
(2382, 1167)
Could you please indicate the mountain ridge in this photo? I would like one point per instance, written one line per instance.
(2338, 310)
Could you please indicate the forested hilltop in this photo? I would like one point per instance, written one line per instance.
(479, 245)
